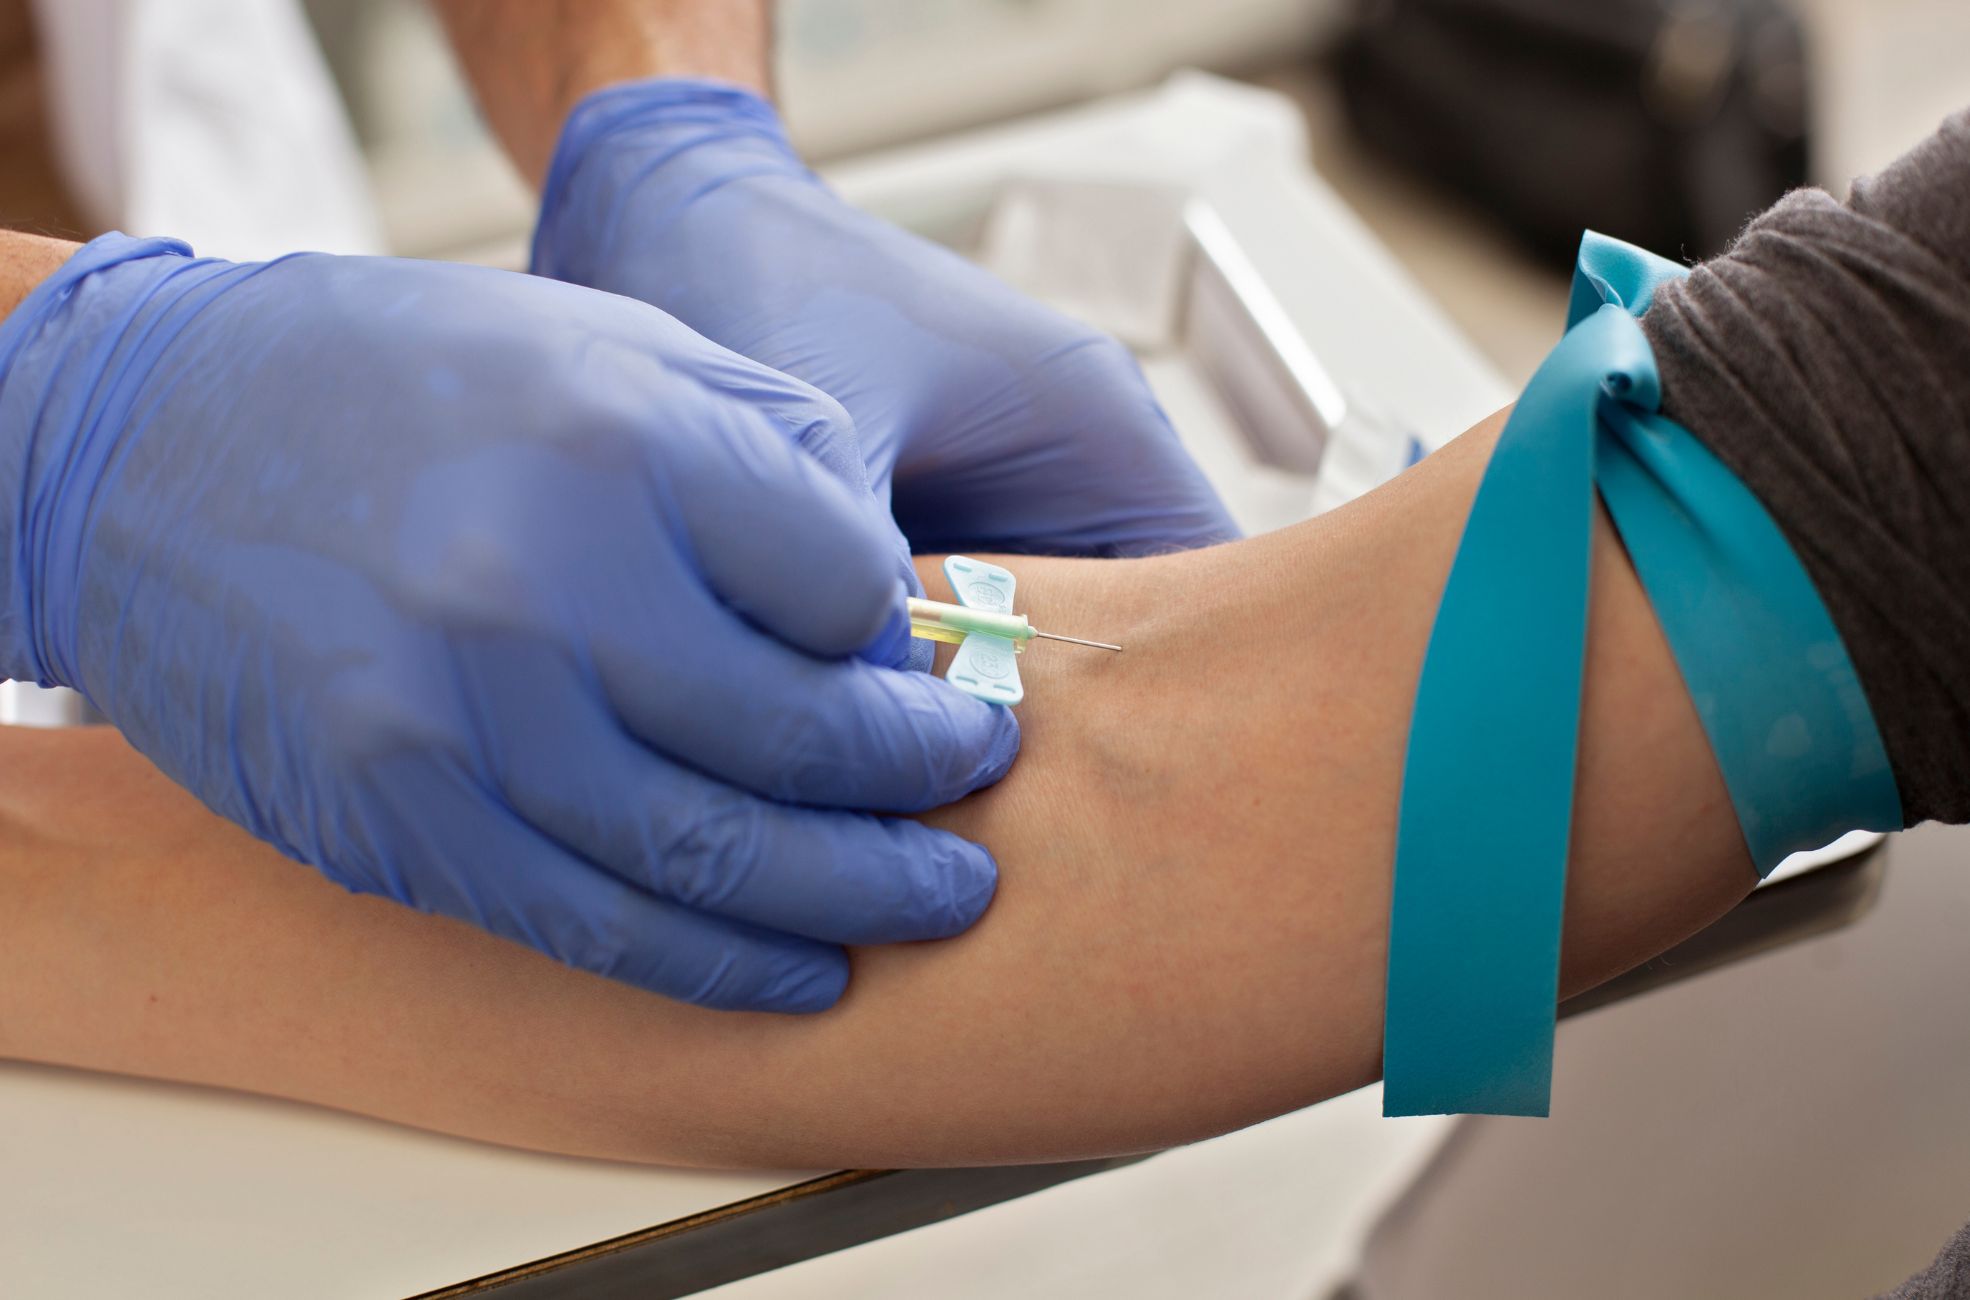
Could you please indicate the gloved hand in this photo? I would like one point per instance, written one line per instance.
(1006, 426)
(507, 600)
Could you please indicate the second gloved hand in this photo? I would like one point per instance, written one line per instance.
(498, 597)
(1004, 424)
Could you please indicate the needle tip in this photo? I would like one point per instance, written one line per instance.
(1075, 640)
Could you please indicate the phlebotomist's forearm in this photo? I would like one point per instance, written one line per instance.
(25, 261)
(528, 73)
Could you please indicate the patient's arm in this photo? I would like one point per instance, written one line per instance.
(1190, 933)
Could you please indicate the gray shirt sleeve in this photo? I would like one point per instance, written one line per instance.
(1946, 1279)
(1826, 360)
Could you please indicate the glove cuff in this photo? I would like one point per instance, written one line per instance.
(60, 351)
(661, 119)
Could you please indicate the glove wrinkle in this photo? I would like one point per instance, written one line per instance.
(981, 414)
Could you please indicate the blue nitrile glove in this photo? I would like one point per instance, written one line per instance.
(1005, 425)
(505, 599)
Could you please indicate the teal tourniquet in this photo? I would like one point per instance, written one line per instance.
(1487, 792)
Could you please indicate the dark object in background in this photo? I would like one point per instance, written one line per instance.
(1668, 123)
(34, 195)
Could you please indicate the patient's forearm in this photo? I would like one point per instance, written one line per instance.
(1189, 936)
(529, 62)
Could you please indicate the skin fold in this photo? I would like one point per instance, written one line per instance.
(1189, 935)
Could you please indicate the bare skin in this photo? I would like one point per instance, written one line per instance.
(1190, 933)
(25, 261)
(530, 62)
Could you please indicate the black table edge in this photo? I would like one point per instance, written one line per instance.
(823, 1215)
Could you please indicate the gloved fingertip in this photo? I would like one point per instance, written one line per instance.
(923, 656)
(981, 742)
(892, 646)
(1001, 747)
(956, 881)
(974, 882)
(806, 987)
(919, 656)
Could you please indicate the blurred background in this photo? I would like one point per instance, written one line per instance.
(1476, 137)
